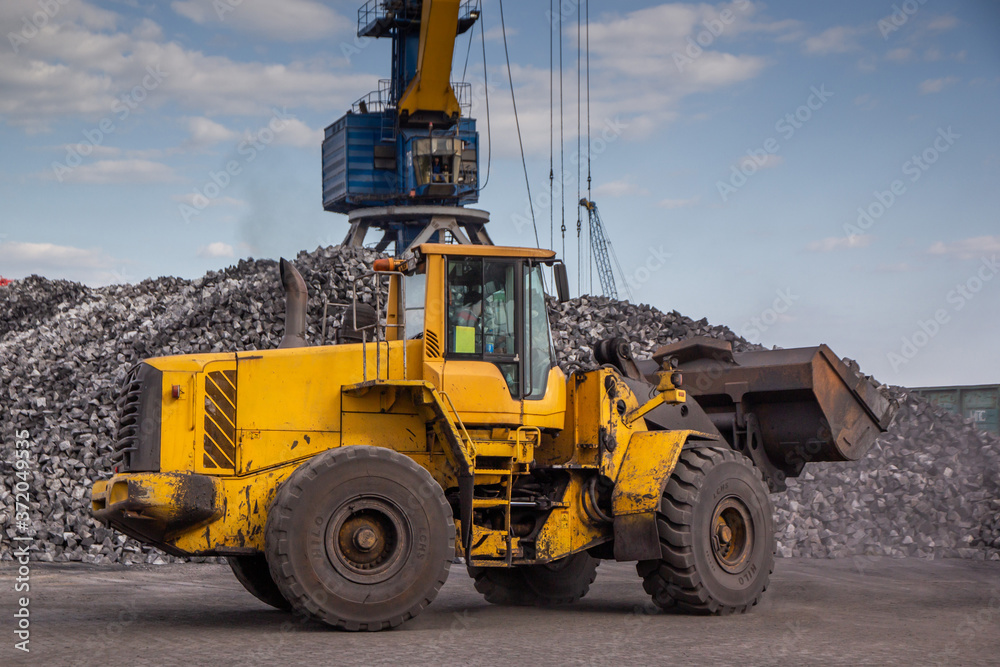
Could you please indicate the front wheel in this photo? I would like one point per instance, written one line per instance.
(716, 535)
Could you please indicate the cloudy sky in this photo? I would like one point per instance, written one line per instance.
(803, 172)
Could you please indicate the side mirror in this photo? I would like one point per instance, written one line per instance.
(562, 282)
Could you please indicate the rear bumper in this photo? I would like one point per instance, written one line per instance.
(155, 507)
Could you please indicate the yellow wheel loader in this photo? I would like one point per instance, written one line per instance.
(342, 481)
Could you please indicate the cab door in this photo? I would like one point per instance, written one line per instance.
(499, 366)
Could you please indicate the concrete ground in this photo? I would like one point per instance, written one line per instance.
(823, 612)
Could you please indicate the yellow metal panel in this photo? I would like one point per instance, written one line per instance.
(568, 529)
(299, 389)
(285, 390)
(177, 421)
(402, 432)
(648, 463)
(192, 363)
(259, 450)
(481, 395)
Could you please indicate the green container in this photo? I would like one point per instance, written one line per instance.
(979, 404)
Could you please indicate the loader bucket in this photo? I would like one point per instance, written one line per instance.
(808, 404)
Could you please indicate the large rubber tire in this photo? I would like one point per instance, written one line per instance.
(360, 538)
(253, 573)
(716, 535)
(561, 582)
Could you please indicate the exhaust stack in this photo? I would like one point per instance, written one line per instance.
(296, 299)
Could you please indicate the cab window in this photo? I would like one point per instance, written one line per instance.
(539, 349)
(416, 290)
(483, 314)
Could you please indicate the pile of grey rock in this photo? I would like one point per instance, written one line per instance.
(929, 488)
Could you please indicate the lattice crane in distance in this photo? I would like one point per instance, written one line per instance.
(604, 253)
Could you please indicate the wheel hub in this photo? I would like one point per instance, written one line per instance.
(732, 534)
(367, 540)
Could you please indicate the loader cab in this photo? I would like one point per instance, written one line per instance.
(482, 315)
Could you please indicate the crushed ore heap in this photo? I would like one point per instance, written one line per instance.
(930, 487)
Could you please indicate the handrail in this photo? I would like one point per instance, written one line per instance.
(458, 420)
(377, 326)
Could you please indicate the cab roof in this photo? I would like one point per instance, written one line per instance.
(472, 250)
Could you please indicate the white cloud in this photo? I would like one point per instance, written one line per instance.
(621, 188)
(641, 69)
(495, 34)
(296, 133)
(866, 101)
(217, 249)
(834, 243)
(971, 248)
(206, 132)
(288, 20)
(769, 161)
(91, 265)
(677, 203)
(839, 39)
(71, 70)
(900, 55)
(899, 267)
(946, 22)
(105, 172)
(195, 200)
(18, 16)
(936, 85)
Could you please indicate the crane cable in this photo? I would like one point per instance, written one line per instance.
(517, 122)
(562, 140)
(552, 139)
(590, 196)
(579, 154)
(486, 91)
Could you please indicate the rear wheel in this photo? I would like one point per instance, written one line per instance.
(560, 582)
(716, 535)
(360, 538)
(253, 573)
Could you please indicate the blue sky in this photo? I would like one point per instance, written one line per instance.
(802, 172)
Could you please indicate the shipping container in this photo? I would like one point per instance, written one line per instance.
(979, 404)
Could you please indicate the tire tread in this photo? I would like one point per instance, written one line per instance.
(674, 581)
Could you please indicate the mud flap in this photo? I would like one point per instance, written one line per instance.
(636, 537)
